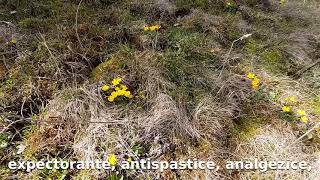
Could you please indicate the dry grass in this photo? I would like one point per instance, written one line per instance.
(270, 144)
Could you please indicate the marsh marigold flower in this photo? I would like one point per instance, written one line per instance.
(105, 88)
(286, 109)
(157, 27)
(251, 75)
(304, 119)
(152, 28)
(124, 87)
(116, 81)
(13, 41)
(128, 94)
(290, 99)
(118, 89)
(255, 83)
(111, 98)
(301, 112)
(112, 159)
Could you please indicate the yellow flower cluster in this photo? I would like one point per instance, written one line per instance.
(152, 28)
(300, 113)
(118, 90)
(289, 102)
(255, 82)
(302, 116)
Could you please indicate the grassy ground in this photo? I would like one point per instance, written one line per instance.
(190, 93)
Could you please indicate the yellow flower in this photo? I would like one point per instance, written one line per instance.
(290, 99)
(128, 94)
(111, 98)
(121, 92)
(152, 28)
(282, 2)
(13, 41)
(286, 109)
(255, 83)
(255, 87)
(117, 88)
(301, 112)
(251, 75)
(157, 27)
(124, 87)
(112, 159)
(304, 119)
(130, 159)
(105, 88)
(116, 81)
(114, 93)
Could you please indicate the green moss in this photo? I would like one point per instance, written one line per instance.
(245, 133)
(116, 63)
(316, 105)
(271, 56)
(251, 47)
(276, 62)
(16, 81)
(247, 128)
(32, 23)
(103, 68)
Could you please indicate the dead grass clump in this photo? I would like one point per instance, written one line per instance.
(212, 119)
(167, 118)
(65, 115)
(233, 90)
(114, 129)
(275, 143)
(152, 82)
(303, 47)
